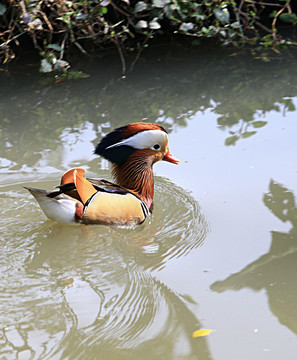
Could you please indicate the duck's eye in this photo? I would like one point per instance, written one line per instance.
(156, 147)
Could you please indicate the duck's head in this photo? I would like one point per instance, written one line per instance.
(139, 141)
(133, 149)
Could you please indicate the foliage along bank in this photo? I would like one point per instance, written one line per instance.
(56, 26)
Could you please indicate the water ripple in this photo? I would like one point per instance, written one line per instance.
(94, 286)
(176, 227)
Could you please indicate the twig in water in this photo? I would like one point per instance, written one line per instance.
(116, 41)
(63, 46)
(140, 50)
(48, 24)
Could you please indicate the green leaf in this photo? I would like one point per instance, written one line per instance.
(248, 134)
(160, 3)
(288, 18)
(186, 26)
(140, 6)
(45, 66)
(104, 2)
(81, 16)
(273, 13)
(222, 15)
(259, 124)
(235, 25)
(231, 140)
(54, 47)
(61, 65)
(66, 21)
(142, 24)
(70, 75)
(2, 9)
(154, 25)
(78, 75)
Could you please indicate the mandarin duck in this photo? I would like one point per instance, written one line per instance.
(132, 150)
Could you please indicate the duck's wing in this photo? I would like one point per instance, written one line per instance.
(107, 186)
(90, 201)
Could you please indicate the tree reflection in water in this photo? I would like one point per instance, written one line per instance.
(168, 86)
(275, 271)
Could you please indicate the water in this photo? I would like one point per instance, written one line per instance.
(219, 251)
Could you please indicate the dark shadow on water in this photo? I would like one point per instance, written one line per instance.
(275, 271)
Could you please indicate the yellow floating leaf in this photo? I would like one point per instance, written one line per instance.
(202, 332)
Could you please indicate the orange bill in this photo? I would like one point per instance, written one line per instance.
(170, 158)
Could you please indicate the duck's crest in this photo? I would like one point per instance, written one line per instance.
(108, 147)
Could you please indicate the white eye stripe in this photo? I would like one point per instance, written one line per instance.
(144, 139)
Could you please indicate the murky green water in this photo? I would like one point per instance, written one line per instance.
(219, 252)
